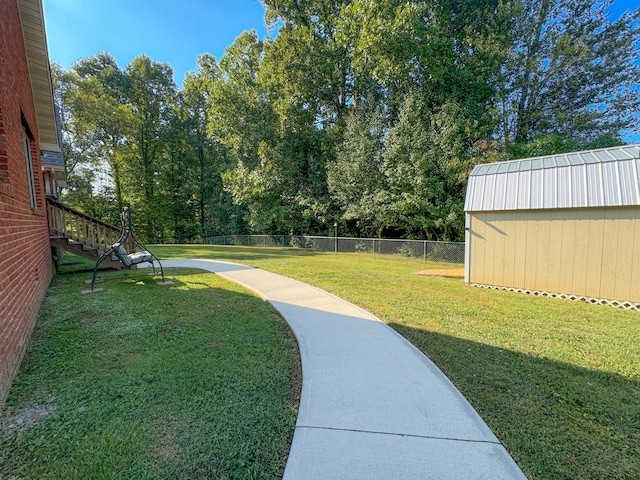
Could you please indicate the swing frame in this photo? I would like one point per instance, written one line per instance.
(128, 260)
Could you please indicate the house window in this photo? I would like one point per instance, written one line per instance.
(30, 176)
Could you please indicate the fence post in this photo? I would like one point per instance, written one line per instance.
(425, 251)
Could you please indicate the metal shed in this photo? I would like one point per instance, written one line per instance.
(561, 224)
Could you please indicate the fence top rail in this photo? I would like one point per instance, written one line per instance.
(363, 239)
(65, 208)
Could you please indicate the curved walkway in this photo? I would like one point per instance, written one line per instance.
(372, 405)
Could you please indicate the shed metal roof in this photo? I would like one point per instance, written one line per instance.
(593, 178)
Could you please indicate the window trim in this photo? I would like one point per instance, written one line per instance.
(31, 181)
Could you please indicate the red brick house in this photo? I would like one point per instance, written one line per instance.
(27, 128)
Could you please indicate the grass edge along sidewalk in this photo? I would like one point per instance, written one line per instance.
(138, 381)
(557, 381)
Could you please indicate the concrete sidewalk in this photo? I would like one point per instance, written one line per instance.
(372, 405)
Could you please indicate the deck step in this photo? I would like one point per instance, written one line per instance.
(69, 230)
(86, 251)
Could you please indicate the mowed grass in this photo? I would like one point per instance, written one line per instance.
(195, 380)
(557, 381)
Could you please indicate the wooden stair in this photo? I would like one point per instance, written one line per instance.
(91, 253)
(75, 232)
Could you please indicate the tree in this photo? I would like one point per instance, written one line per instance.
(572, 75)
(242, 120)
(194, 116)
(426, 161)
(331, 56)
(150, 93)
(448, 51)
(94, 125)
(370, 112)
(356, 178)
(216, 214)
(306, 64)
(100, 108)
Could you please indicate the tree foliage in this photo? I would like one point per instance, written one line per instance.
(368, 113)
(572, 75)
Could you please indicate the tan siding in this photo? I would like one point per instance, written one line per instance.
(593, 252)
(610, 255)
(634, 244)
(554, 235)
(593, 257)
(541, 260)
(531, 240)
(510, 244)
(624, 250)
(567, 233)
(520, 249)
(499, 234)
(482, 243)
(474, 245)
(490, 250)
(580, 256)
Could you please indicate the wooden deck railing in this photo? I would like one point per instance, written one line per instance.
(76, 226)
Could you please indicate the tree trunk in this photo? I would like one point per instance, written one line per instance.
(522, 116)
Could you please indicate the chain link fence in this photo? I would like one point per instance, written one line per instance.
(450, 252)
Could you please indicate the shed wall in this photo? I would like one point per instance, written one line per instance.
(592, 252)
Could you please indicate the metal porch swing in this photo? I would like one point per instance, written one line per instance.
(119, 249)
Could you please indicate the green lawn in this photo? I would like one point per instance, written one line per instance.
(557, 381)
(196, 380)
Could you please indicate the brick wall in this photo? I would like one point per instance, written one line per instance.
(25, 256)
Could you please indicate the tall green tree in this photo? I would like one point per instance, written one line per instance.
(195, 118)
(270, 161)
(356, 178)
(426, 161)
(306, 64)
(408, 178)
(151, 94)
(571, 78)
(216, 214)
(449, 51)
(309, 79)
(95, 124)
(101, 87)
(242, 121)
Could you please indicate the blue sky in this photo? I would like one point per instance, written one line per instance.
(172, 31)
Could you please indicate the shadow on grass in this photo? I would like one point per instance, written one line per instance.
(77, 264)
(230, 252)
(129, 280)
(558, 421)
